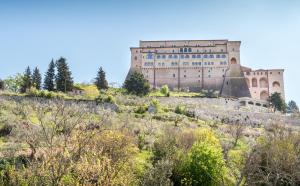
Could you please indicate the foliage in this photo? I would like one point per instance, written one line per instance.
(205, 164)
(292, 107)
(36, 79)
(275, 159)
(1, 84)
(27, 81)
(63, 79)
(210, 93)
(165, 90)
(137, 84)
(100, 80)
(180, 109)
(105, 99)
(50, 77)
(277, 102)
(13, 83)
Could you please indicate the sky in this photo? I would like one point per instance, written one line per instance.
(94, 33)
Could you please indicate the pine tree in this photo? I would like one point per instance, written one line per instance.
(64, 80)
(277, 101)
(101, 81)
(36, 79)
(137, 84)
(27, 81)
(50, 77)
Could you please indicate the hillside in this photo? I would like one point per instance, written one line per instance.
(121, 139)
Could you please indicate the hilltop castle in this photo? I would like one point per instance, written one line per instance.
(203, 64)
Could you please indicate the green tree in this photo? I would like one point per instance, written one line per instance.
(293, 107)
(13, 83)
(137, 84)
(1, 84)
(27, 80)
(50, 77)
(36, 79)
(100, 80)
(277, 101)
(205, 164)
(64, 80)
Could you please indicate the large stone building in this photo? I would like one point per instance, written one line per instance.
(203, 64)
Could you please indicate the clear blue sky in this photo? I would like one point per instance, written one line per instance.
(99, 33)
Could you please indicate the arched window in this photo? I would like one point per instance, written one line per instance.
(181, 50)
(211, 56)
(181, 56)
(190, 50)
(193, 56)
(170, 56)
(158, 57)
(223, 56)
(276, 84)
(254, 82)
(187, 56)
(164, 56)
(185, 49)
(217, 56)
(205, 56)
(233, 61)
(198, 56)
(264, 95)
(263, 83)
(175, 56)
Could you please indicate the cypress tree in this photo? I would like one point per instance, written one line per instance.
(1, 84)
(49, 77)
(36, 79)
(27, 81)
(64, 80)
(101, 81)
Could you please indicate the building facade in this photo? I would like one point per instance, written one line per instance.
(200, 64)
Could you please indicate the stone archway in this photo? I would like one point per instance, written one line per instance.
(263, 82)
(233, 61)
(264, 95)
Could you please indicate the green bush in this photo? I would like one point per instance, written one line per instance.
(165, 90)
(180, 109)
(205, 164)
(141, 109)
(105, 99)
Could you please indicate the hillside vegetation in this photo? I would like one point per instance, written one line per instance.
(114, 138)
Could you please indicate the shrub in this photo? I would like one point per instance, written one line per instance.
(137, 84)
(180, 109)
(5, 130)
(205, 164)
(155, 105)
(141, 109)
(105, 99)
(165, 90)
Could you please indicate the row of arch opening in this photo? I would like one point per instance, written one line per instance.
(262, 83)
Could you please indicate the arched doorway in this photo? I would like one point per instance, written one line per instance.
(264, 95)
(254, 82)
(263, 83)
(233, 61)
